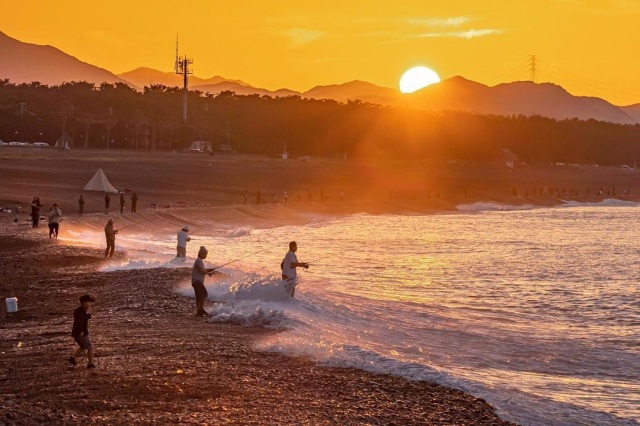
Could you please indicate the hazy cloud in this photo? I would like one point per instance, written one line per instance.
(453, 21)
(301, 36)
(612, 7)
(469, 34)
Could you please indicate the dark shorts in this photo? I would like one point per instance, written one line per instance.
(84, 342)
(200, 289)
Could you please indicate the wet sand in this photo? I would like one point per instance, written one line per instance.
(158, 363)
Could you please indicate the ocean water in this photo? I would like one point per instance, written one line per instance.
(536, 310)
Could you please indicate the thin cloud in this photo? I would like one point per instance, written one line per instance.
(453, 21)
(301, 36)
(469, 34)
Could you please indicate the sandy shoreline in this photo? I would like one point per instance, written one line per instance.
(159, 364)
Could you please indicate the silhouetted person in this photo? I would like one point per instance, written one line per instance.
(110, 235)
(258, 197)
(198, 274)
(134, 203)
(35, 212)
(121, 203)
(107, 202)
(80, 206)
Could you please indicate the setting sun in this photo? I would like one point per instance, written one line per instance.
(417, 78)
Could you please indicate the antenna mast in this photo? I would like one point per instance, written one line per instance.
(182, 68)
(533, 72)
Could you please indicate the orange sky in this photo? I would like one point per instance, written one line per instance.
(590, 47)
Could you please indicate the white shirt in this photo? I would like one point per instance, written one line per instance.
(54, 215)
(286, 266)
(182, 239)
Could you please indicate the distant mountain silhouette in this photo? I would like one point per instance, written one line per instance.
(25, 62)
(242, 89)
(519, 97)
(353, 90)
(144, 76)
(633, 111)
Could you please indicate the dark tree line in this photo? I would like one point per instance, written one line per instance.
(116, 116)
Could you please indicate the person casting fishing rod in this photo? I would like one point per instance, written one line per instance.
(197, 281)
(110, 233)
(289, 265)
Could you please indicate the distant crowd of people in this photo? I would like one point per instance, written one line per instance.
(284, 197)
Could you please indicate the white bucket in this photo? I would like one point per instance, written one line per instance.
(12, 304)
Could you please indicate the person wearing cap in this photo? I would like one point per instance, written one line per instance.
(54, 220)
(288, 266)
(183, 239)
(197, 281)
(110, 233)
(80, 331)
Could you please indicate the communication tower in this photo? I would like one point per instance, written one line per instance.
(533, 72)
(182, 68)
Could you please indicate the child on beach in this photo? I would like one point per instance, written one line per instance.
(80, 331)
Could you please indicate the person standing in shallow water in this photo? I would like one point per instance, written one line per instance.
(289, 265)
(107, 202)
(197, 281)
(183, 239)
(80, 206)
(121, 203)
(110, 234)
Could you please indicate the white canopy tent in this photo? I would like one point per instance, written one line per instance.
(100, 183)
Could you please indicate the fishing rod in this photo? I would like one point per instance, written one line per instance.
(237, 260)
(320, 258)
(125, 227)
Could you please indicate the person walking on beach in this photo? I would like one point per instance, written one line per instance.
(17, 210)
(288, 266)
(54, 220)
(80, 206)
(121, 203)
(107, 202)
(134, 203)
(183, 239)
(80, 331)
(110, 234)
(197, 281)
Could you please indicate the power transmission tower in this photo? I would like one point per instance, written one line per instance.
(182, 68)
(533, 72)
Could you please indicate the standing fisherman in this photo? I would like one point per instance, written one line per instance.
(183, 239)
(121, 203)
(107, 201)
(110, 233)
(197, 281)
(80, 206)
(289, 265)
(134, 203)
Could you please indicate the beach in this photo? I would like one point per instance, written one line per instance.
(157, 362)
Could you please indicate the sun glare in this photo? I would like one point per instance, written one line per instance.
(416, 78)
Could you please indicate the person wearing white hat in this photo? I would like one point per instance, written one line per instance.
(183, 239)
